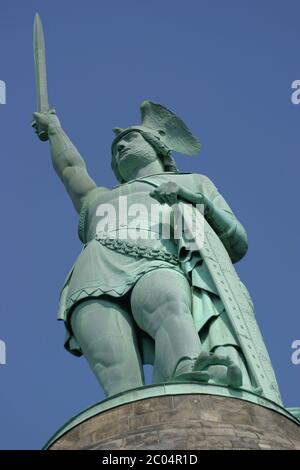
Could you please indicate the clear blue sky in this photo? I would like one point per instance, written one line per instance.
(226, 68)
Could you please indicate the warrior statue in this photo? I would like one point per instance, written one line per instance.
(159, 300)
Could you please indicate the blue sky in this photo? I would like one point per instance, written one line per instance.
(226, 68)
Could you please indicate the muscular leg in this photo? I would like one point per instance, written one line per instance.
(161, 306)
(105, 332)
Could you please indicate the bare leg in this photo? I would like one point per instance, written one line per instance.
(161, 306)
(105, 332)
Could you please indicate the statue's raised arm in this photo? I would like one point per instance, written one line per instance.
(67, 161)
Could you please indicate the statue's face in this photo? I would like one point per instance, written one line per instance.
(133, 152)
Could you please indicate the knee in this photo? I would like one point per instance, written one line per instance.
(171, 307)
(174, 309)
(175, 304)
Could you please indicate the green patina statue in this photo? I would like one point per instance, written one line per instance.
(136, 296)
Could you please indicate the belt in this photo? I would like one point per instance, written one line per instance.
(137, 251)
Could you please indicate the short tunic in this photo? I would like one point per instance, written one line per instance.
(110, 263)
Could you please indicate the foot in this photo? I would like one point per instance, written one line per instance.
(184, 372)
(192, 376)
(232, 376)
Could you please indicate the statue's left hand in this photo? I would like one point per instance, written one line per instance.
(171, 193)
(167, 193)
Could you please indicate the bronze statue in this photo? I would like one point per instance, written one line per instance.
(148, 298)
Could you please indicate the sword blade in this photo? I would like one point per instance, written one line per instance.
(40, 65)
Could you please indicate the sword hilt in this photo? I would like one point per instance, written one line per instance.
(42, 135)
(40, 131)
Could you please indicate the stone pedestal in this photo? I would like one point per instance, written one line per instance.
(180, 417)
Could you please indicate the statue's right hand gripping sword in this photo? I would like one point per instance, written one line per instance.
(40, 73)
